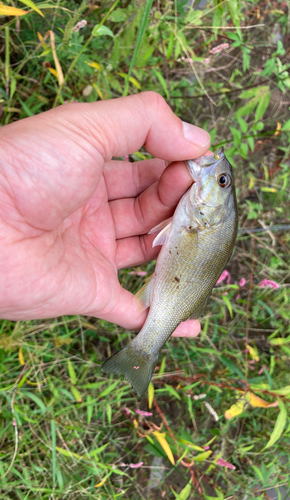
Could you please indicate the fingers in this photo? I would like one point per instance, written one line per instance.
(135, 251)
(70, 144)
(125, 179)
(189, 328)
(128, 180)
(134, 216)
(124, 125)
(126, 313)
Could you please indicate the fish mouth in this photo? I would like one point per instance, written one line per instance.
(203, 162)
(214, 159)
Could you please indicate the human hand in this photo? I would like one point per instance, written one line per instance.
(70, 216)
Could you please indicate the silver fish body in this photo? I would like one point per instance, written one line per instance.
(197, 244)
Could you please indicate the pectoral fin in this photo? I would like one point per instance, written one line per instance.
(143, 295)
(163, 230)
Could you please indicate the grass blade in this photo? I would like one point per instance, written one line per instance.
(53, 441)
(32, 5)
(279, 426)
(138, 42)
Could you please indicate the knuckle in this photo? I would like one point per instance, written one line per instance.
(155, 99)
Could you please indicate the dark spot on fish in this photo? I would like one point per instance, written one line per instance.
(177, 279)
(190, 227)
(201, 213)
(177, 286)
(170, 251)
(177, 253)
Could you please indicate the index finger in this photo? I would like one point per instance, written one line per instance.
(122, 126)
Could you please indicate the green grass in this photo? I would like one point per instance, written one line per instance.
(65, 429)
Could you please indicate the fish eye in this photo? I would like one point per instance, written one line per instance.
(224, 180)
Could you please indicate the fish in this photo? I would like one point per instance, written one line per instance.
(197, 242)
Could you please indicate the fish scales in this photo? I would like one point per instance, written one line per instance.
(183, 284)
(197, 244)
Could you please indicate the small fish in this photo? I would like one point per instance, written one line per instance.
(197, 242)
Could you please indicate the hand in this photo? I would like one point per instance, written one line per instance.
(70, 216)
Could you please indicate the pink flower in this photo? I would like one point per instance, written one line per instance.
(79, 25)
(219, 48)
(128, 413)
(223, 463)
(206, 447)
(132, 466)
(269, 284)
(242, 282)
(264, 367)
(225, 275)
(207, 60)
(126, 157)
(144, 413)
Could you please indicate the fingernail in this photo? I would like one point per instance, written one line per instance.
(196, 135)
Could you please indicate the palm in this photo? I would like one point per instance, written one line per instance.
(79, 220)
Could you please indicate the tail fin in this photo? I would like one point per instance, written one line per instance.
(136, 365)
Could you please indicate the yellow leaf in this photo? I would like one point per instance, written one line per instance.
(56, 61)
(150, 395)
(160, 436)
(32, 5)
(253, 352)
(131, 79)
(102, 482)
(278, 128)
(191, 445)
(98, 91)
(140, 155)
(76, 393)
(21, 358)
(268, 190)
(252, 182)
(280, 340)
(53, 71)
(244, 400)
(11, 11)
(135, 82)
(202, 456)
(94, 65)
(257, 402)
(40, 38)
(237, 408)
(68, 453)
